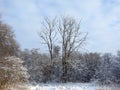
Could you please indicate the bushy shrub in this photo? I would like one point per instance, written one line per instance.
(12, 72)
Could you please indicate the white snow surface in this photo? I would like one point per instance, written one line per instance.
(72, 86)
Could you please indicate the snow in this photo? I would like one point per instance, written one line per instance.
(70, 86)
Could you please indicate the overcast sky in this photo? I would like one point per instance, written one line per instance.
(100, 18)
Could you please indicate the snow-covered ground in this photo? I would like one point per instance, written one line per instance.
(73, 86)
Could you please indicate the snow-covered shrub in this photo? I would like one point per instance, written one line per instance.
(34, 62)
(116, 72)
(47, 73)
(52, 73)
(12, 71)
(104, 74)
(82, 69)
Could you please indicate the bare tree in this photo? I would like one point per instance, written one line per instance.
(48, 35)
(72, 40)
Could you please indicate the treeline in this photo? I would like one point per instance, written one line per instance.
(63, 62)
(81, 67)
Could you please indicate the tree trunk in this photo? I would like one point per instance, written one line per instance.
(64, 71)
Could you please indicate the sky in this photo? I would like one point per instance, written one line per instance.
(100, 18)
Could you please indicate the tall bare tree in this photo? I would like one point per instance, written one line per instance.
(72, 40)
(48, 35)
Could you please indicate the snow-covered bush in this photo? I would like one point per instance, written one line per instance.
(52, 73)
(116, 72)
(83, 67)
(104, 74)
(12, 71)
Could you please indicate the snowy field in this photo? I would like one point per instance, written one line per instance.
(71, 86)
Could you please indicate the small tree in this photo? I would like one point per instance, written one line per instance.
(8, 44)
